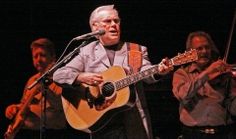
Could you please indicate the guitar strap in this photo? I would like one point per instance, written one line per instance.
(135, 63)
(134, 57)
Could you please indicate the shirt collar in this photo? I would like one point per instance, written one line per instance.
(193, 67)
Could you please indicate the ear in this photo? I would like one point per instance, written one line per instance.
(95, 26)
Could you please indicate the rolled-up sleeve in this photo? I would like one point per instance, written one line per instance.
(185, 86)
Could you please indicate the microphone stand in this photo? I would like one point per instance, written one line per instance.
(45, 82)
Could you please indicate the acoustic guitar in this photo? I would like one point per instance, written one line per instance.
(92, 107)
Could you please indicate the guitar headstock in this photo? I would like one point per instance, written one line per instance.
(186, 57)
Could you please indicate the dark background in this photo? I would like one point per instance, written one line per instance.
(161, 25)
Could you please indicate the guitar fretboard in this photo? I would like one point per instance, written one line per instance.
(131, 79)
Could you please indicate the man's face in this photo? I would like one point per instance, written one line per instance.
(110, 22)
(201, 44)
(41, 59)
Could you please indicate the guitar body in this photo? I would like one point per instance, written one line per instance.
(88, 117)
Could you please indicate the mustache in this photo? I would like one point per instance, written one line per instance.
(204, 56)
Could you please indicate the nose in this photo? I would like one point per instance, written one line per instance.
(202, 50)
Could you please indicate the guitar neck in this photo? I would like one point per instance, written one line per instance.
(131, 79)
(188, 56)
(15, 126)
(28, 100)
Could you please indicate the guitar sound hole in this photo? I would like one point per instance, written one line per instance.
(108, 89)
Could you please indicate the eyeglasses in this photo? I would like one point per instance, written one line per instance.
(109, 21)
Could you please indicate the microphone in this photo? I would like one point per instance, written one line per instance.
(90, 35)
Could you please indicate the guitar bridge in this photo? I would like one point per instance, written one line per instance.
(104, 103)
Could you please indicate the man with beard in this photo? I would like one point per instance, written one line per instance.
(205, 90)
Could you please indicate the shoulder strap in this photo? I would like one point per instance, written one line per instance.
(134, 57)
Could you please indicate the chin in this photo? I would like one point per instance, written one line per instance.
(203, 63)
(114, 41)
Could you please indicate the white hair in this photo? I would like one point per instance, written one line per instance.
(94, 15)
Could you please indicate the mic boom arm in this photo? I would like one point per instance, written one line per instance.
(90, 35)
